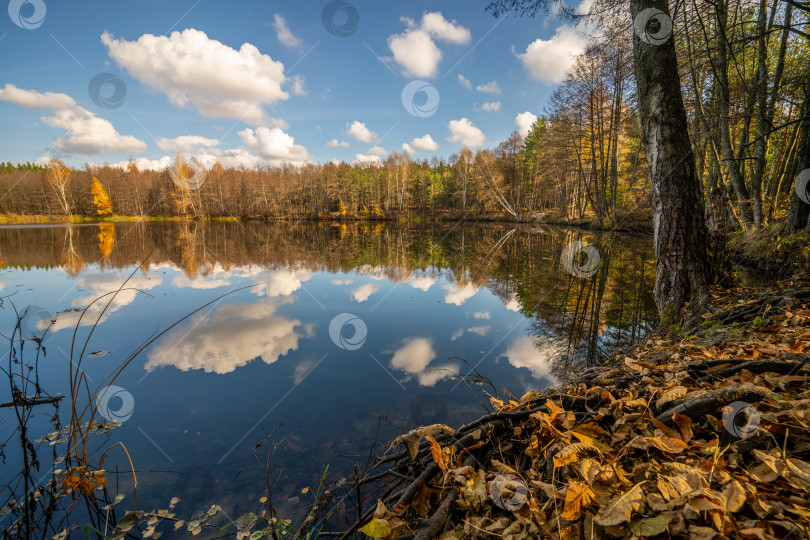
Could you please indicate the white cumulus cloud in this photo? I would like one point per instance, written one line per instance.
(334, 143)
(85, 133)
(184, 143)
(146, 164)
(492, 106)
(415, 49)
(464, 81)
(463, 131)
(359, 131)
(377, 151)
(273, 144)
(548, 59)
(36, 100)
(230, 158)
(424, 142)
(365, 160)
(524, 122)
(196, 71)
(491, 87)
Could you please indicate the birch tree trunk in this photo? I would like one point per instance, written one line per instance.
(681, 244)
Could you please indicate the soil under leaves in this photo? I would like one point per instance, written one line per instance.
(700, 434)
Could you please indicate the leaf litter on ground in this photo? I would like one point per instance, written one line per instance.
(703, 434)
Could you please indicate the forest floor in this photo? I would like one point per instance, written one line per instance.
(697, 432)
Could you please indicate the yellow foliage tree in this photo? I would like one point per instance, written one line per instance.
(100, 199)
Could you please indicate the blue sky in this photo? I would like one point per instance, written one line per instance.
(264, 82)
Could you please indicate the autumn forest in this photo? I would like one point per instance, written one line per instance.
(743, 70)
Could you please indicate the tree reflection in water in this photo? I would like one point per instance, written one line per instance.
(579, 311)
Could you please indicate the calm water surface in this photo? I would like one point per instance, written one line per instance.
(426, 305)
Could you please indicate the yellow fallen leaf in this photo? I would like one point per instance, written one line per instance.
(578, 496)
(673, 393)
(436, 452)
(553, 409)
(376, 528)
(571, 453)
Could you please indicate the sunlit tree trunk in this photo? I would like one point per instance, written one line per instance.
(737, 181)
(798, 217)
(681, 246)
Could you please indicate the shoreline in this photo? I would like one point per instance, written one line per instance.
(648, 443)
(626, 224)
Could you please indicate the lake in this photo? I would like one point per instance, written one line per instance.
(311, 340)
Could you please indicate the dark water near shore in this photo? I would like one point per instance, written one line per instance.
(345, 333)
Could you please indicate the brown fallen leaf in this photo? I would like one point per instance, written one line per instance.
(619, 509)
(412, 438)
(420, 503)
(684, 424)
(734, 496)
(650, 526)
(665, 429)
(668, 444)
(701, 533)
